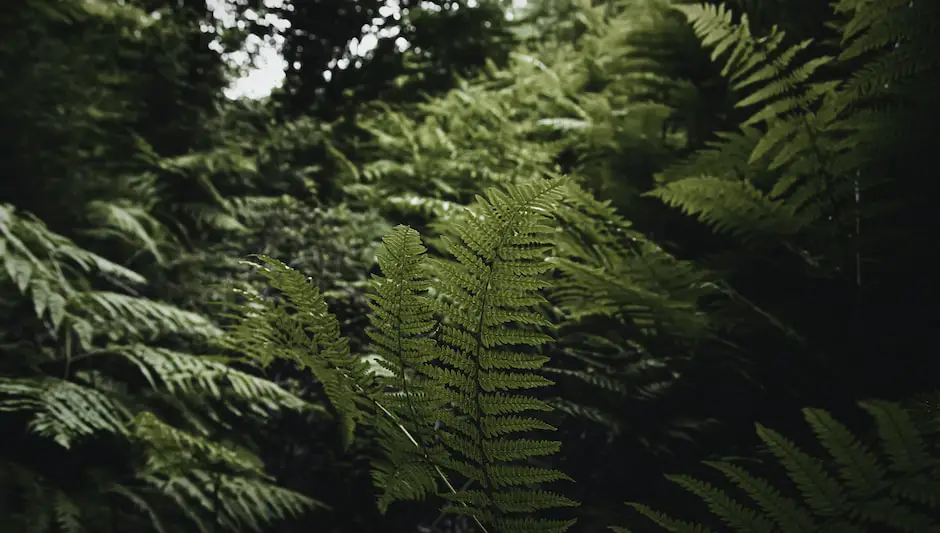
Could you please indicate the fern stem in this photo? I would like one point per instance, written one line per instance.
(735, 295)
(68, 355)
(440, 473)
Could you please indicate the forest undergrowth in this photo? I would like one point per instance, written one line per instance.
(503, 280)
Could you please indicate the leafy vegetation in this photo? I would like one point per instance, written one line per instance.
(499, 272)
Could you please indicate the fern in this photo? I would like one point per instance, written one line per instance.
(142, 318)
(491, 285)
(235, 503)
(735, 207)
(446, 403)
(853, 489)
(302, 330)
(810, 140)
(402, 317)
(63, 388)
(129, 222)
(63, 411)
(785, 101)
(631, 327)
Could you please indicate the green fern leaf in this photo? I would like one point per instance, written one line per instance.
(734, 207)
(499, 256)
(402, 316)
(859, 467)
(788, 515)
(731, 512)
(819, 489)
(63, 411)
(669, 524)
(302, 329)
(901, 440)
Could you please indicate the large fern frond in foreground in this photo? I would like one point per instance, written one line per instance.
(853, 489)
(452, 401)
(489, 353)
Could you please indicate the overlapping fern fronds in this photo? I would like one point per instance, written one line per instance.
(854, 488)
(59, 380)
(456, 364)
(781, 140)
(633, 321)
(403, 317)
(806, 151)
(609, 269)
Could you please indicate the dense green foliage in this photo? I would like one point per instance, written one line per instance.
(498, 273)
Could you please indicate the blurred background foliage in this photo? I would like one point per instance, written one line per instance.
(132, 188)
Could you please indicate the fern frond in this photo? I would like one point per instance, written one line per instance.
(876, 25)
(170, 449)
(129, 222)
(866, 494)
(723, 506)
(860, 469)
(301, 329)
(30, 238)
(823, 493)
(141, 317)
(901, 438)
(727, 159)
(491, 286)
(236, 503)
(734, 207)
(63, 411)
(402, 317)
(792, 128)
(668, 523)
(68, 515)
(183, 373)
(789, 515)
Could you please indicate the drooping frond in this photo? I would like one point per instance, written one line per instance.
(750, 60)
(129, 222)
(796, 169)
(300, 328)
(27, 242)
(609, 269)
(86, 400)
(781, 90)
(734, 207)
(170, 449)
(136, 317)
(633, 323)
